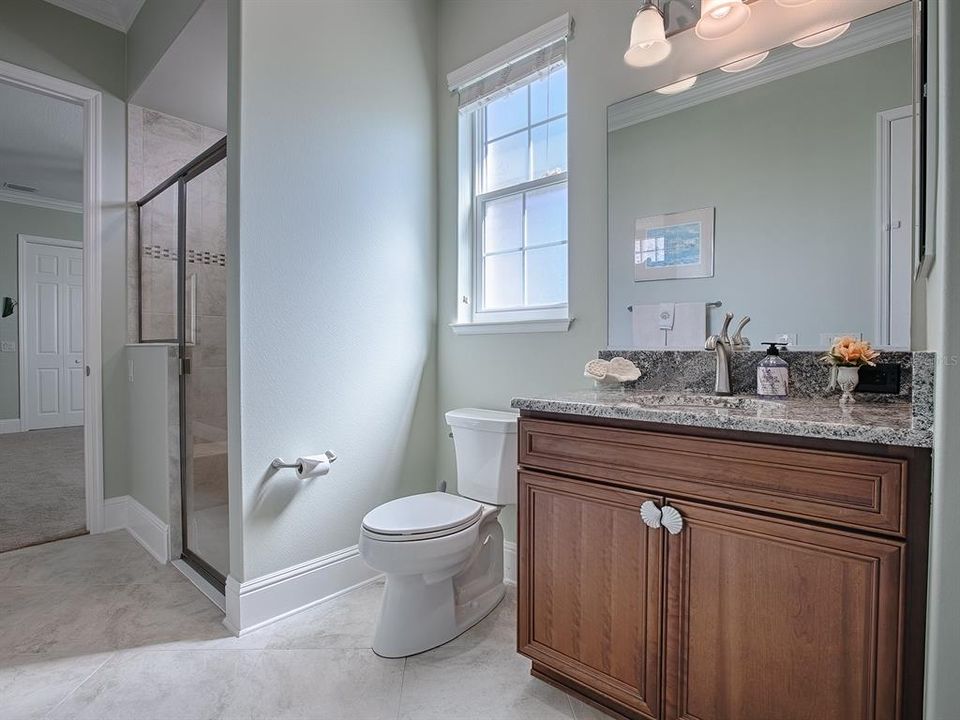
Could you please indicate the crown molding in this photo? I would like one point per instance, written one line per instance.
(869, 33)
(40, 201)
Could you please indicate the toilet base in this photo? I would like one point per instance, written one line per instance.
(421, 612)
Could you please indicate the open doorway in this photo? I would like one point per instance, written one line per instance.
(51, 473)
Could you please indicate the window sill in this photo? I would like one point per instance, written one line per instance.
(512, 326)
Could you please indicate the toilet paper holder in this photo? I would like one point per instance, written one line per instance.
(278, 463)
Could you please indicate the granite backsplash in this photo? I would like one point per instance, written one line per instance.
(695, 371)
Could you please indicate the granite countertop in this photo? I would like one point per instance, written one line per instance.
(879, 420)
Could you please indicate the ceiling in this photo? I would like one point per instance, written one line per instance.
(117, 14)
(190, 81)
(41, 143)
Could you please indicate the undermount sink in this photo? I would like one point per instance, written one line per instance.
(693, 400)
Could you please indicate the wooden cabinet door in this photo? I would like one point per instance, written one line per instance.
(770, 619)
(590, 588)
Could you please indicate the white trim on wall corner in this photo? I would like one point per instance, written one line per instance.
(266, 599)
(510, 562)
(125, 513)
(10, 426)
(40, 201)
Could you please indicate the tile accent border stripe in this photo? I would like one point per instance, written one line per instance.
(258, 602)
(125, 513)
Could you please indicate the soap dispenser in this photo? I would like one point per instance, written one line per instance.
(773, 373)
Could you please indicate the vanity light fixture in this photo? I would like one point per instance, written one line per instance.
(648, 38)
(822, 38)
(719, 18)
(745, 64)
(793, 3)
(678, 87)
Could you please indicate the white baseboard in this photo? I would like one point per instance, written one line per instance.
(10, 426)
(125, 513)
(266, 599)
(510, 562)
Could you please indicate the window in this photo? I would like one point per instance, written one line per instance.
(513, 193)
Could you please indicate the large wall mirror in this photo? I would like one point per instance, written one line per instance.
(782, 185)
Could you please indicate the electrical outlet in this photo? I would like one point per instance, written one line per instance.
(828, 339)
(8, 346)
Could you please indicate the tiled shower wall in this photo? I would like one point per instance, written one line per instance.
(158, 145)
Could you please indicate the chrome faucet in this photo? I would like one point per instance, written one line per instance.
(724, 347)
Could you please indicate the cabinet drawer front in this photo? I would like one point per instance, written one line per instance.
(775, 619)
(590, 589)
(857, 491)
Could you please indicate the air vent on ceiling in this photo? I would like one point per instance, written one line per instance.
(19, 188)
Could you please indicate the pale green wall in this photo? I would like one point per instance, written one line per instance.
(43, 37)
(153, 31)
(15, 220)
(332, 294)
(790, 167)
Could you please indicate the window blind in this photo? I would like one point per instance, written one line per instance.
(518, 62)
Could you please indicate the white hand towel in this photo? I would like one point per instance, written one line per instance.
(689, 327)
(647, 334)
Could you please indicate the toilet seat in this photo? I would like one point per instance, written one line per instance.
(420, 517)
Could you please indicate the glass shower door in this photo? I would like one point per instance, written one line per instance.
(203, 390)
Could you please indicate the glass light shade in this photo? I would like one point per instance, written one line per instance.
(746, 63)
(822, 38)
(793, 3)
(678, 87)
(648, 39)
(719, 18)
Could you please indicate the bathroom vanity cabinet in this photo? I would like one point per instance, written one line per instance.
(795, 587)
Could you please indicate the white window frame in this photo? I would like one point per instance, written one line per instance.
(471, 318)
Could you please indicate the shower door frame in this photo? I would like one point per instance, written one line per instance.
(192, 170)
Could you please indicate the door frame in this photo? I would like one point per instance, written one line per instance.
(90, 101)
(23, 301)
(885, 118)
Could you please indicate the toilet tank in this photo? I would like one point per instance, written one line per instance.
(486, 447)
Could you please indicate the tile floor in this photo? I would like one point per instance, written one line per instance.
(92, 627)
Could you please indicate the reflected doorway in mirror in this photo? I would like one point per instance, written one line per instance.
(674, 245)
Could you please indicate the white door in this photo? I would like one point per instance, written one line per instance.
(52, 335)
(895, 183)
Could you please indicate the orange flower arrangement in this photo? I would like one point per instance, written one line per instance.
(850, 352)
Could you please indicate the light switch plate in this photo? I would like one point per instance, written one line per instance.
(130, 370)
(8, 346)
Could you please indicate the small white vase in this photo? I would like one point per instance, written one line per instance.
(847, 379)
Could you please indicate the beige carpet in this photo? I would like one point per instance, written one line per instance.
(41, 487)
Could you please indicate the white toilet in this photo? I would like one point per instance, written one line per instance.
(443, 553)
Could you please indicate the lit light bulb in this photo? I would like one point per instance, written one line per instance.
(648, 40)
(719, 18)
(678, 87)
(823, 37)
(746, 63)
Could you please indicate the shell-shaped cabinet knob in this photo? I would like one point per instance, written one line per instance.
(671, 519)
(650, 514)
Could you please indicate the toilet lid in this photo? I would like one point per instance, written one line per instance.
(420, 514)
